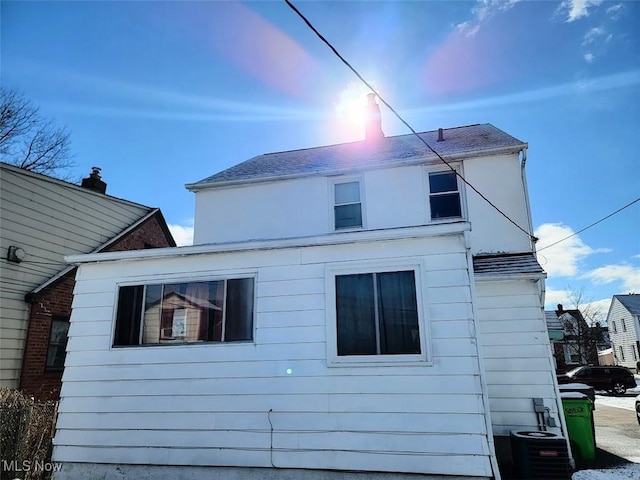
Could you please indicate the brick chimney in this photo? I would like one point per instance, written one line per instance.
(94, 181)
(373, 127)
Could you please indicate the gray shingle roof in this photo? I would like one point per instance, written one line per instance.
(505, 264)
(460, 141)
(553, 322)
(631, 302)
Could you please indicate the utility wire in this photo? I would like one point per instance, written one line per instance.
(589, 226)
(333, 49)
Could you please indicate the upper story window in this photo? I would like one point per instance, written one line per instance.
(347, 210)
(624, 325)
(444, 195)
(210, 311)
(56, 350)
(613, 324)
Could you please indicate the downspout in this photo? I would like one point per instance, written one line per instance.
(527, 204)
(480, 355)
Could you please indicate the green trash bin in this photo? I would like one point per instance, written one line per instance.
(578, 413)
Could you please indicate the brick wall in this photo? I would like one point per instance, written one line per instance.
(55, 301)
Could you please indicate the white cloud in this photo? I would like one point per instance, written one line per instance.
(561, 259)
(575, 9)
(616, 11)
(593, 35)
(482, 11)
(183, 234)
(626, 275)
(589, 57)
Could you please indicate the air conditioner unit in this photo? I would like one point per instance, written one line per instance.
(540, 455)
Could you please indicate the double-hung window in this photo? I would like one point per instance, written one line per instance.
(347, 210)
(375, 315)
(188, 312)
(444, 195)
(56, 350)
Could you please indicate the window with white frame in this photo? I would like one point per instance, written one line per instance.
(375, 315)
(347, 209)
(188, 312)
(624, 325)
(613, 324)
(621, 350)
(444, 195)
(56, 350)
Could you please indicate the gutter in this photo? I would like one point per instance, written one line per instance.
(525, 188)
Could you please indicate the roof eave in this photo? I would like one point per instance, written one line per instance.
(197, 186)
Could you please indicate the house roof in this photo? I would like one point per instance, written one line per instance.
(553, 322)
(631, 302)
(471, 140)
(507, 264)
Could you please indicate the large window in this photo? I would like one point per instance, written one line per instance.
(377, 314)
(213, 311)
(347, 210)
(56, 350)
(444, 196)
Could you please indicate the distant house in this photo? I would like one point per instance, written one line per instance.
(43, 220)
(345, 309)
(624, 329)
(573, 341)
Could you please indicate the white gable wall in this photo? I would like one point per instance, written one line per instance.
(621, 339)
(235, 404)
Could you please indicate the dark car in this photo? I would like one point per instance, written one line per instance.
(615, 380)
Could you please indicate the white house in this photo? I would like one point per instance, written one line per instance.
(624, 329)
(351, 308)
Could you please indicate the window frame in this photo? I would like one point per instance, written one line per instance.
(461, 194)
(57, 368)
(171, 281)
(333, 359)
(332, 204)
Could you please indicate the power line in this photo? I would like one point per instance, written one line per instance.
(592, 225)
(333, 49)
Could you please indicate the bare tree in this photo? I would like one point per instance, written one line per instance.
(582, 329)
(29, 141)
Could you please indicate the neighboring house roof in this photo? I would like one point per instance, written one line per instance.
(51, 218)
(507, 264)
(553, 322)
(631, 302)
(471, 140)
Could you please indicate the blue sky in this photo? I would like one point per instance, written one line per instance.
(160, 94)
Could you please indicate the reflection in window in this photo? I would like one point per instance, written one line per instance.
(56, 351)
(348, 207)
(214, 311)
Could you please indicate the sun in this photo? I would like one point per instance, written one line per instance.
(350, 108)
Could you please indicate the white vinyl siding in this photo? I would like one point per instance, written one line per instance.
(623, 339)
(48, 219)
(276, 402)
(517, 353)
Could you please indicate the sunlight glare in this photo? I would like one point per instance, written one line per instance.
(350, 108)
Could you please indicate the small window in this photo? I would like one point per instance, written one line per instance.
(444, 195)
(572, 353)
(347, 205)
(621, 353)
(213, 311)
(633, 351)
(624, 325)
(613, 324)
(56, 351)
(377, 314)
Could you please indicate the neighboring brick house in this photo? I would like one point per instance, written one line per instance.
(44, 219)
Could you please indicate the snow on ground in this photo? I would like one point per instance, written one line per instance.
(624, 472)
(626, 402)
